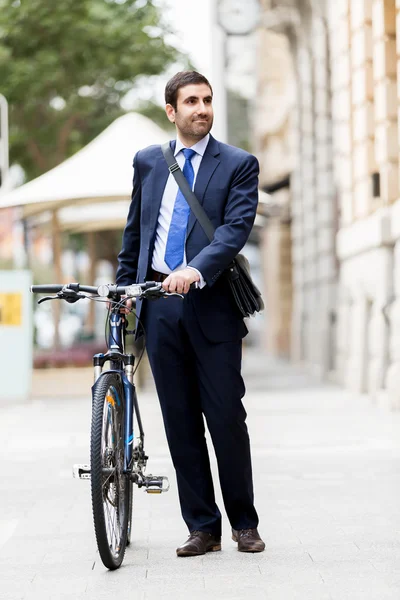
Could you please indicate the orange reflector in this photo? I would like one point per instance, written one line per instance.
(110, 400)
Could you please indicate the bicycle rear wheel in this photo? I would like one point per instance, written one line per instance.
(110, 487)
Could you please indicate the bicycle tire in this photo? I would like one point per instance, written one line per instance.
(110, 487)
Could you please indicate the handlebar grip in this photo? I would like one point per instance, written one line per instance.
(50, 288)
(53, 288)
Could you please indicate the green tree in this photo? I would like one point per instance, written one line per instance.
(65, 66)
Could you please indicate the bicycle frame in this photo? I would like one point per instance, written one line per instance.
(123, 365)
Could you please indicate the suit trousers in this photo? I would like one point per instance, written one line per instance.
(195, 377)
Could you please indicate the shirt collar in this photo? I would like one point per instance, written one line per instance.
(199, 147)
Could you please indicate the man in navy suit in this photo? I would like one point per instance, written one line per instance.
(194, 345)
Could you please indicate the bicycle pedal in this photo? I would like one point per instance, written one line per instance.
(81, 471)
(155, 484)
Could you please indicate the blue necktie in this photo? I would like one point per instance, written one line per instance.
(174, 251)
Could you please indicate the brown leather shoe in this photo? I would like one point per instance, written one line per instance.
(199, 542)
(248, 540)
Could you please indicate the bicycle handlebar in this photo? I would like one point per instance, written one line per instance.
(134, 290)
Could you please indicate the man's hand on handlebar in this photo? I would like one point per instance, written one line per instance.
(177, 283)
(180, 281)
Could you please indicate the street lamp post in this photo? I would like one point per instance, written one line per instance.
(3, 139)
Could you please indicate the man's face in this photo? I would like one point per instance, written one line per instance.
(194, 114)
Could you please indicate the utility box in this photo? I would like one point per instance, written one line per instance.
(16, 336)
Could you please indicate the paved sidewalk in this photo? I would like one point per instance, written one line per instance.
(327, 482)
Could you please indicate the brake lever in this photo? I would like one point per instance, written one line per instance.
(151, 293)
(154, 293)
(45, 298)
(66, 294)
(173, 294)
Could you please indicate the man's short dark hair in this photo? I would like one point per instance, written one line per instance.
(180, 80)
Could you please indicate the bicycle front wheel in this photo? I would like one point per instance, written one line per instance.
(110, 486)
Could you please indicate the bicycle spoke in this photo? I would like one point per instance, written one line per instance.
(108, 478)
(110, 524)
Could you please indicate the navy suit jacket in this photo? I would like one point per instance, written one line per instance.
(227, 187)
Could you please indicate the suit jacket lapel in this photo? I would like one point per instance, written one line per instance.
(208, 165)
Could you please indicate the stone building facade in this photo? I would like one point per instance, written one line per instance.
(273, 144)
(344, 192)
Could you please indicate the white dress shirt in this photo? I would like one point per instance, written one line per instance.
(167, 208)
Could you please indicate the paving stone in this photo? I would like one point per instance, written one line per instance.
(326, 481)
(196, 594)
(171, 586)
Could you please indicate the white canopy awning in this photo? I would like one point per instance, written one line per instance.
(112, 215)
(94, 217)
(102, 171)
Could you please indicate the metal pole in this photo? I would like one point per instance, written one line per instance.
(56, 235)
(90, 325)
(3, 139)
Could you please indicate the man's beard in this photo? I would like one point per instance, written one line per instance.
(191, 130)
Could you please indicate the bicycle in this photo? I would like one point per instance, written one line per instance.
(116, 463)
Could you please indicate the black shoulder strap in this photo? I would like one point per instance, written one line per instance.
(190, 197)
